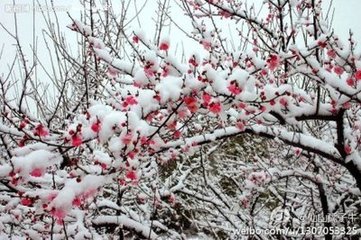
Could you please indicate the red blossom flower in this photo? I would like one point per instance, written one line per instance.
(242, 105)
(76, 140)
(346, 105)
(298, 151)
(193, 62)
(41, 131)
(225, 14)
(215, 107)
(135, 39)
(240, 126)
(171, 199)
(348, 149)
(96, 126)
(263, 108)
(182, 112)
(122, 182)
(59, 214)
(26, 201)
(338, 70)
(273, 62)
(22, 142)
(206, 98)
(127, 139)
(77, 201)
(350, 82)
(22, 124)
(104, 166)
(37, 172)
(234, 89)
(284, 102)
(321, 44)
(145, 141)
(177, 134)
(191, 103)
(165, 72)
(132, 154)
(264, 72)
(206, 44)
(164, 45)
(172, 125)
(148, 72)
(358, 74)
(52, 196)
(331, 53)
(131, 175)
(129, 101)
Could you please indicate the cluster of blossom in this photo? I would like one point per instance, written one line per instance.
(158, 107)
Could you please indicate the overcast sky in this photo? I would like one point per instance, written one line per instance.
(346, 17)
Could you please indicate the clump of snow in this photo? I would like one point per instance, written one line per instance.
(35, 161)
(169, 89)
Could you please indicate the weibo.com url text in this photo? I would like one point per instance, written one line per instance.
(311, 230)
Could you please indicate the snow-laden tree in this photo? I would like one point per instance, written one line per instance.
(259, 129)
